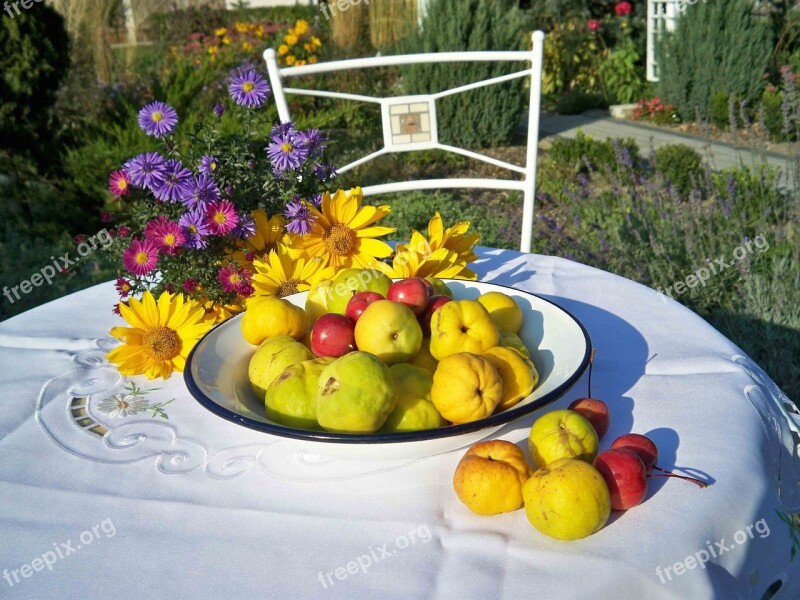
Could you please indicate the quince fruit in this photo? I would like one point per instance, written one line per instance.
(355, 394)
(490, 476)
(466, 387)
(271, 358)
(509, 339)
(291, 399)
(567, 500)
(414, 410)
(462, 326)
(503, 309)
(424, 359)
(317, 300)
(271, 316)
(517, 372)
(390, 331)
(562, 434)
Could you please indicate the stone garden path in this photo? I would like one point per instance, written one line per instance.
(601, 126)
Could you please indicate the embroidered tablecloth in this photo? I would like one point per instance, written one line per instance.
(126, 488)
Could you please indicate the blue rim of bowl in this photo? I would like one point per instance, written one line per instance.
(310, 435)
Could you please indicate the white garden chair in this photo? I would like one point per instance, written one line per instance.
(409, 122)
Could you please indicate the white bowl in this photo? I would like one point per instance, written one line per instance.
(216, 375)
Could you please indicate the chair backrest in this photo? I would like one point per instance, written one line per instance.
(409, 122)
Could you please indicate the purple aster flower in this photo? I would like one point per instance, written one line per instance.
(249, 89)
(316, 200)
(194, 228)
(209, 164)
(286, 152)
(158, 119)
(178, 182)
(312, 140)
(219, 110)
(201, 193)
(286, 128)
(300, 217)
(245, 227)
(147, 170)
(324, 172)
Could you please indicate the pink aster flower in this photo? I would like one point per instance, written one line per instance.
(119, 183)
(221, 217)
(168, 235)
(593, 24)
(233, 280)
(141, 257)
(123, 287)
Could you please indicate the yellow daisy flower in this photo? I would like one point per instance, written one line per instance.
(259, 31)
(312, 60)
(212, 50)
(247, 46)
(242, 27)
(453, 238)
(220, 32)
(290, 39)
(160, 337)
(441, 263)
(301, 27)
(226, 40)
(290, 60)
(279, 274)
(283, 49)
(316, 41)
(216, 312)
(269, 235)
(343, 231)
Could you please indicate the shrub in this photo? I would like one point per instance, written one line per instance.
(600, 155)
(620, 74)
(34, 60)
(655, 111)
(576, 102)
(717, 47)
(486, 116)
(570, 58)
(680, 165)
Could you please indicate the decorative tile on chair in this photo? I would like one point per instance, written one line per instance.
(409, 122)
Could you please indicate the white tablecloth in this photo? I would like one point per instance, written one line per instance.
(198, 508)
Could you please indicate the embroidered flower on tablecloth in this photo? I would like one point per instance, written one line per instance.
(132, 403)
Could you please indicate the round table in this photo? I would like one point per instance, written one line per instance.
(129, 489)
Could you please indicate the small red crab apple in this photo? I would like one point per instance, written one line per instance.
(648, 452)
(625, 475)
(359, 303)
(412, 291)
(333, 335)
(593, 410)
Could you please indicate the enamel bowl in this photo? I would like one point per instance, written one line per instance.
(216, 375)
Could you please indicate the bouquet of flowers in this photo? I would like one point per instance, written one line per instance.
(211, 222)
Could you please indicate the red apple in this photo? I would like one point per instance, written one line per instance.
(595, 411)
(625, 475)
(425, 318)
(641, 445)
(412, 292)
(646, 449)
(359, 303)
(333, 335)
